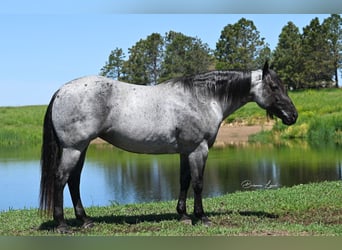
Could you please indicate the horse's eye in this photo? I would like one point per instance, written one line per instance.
(274, 87)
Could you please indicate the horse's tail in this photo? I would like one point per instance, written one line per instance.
(50, 159)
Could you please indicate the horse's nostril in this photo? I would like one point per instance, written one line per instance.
(295, 116)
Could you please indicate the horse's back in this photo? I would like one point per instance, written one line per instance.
(79, 108)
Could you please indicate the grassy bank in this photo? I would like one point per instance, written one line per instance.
(21, 125)
(313, 209)
(319, 122)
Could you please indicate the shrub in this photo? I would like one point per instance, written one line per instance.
(325, 131)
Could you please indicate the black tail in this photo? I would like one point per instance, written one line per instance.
(50, 159)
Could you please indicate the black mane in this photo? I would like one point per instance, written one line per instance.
(222, 84)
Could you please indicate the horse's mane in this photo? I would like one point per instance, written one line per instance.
(223, 84)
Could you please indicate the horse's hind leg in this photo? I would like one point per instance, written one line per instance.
(69, 160)
(74, 188)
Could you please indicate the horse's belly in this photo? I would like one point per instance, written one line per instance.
(148, 144)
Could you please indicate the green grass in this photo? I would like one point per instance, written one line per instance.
(249, 114)
(320, 112)
(312, 209)
(319, 121)
(21, 125)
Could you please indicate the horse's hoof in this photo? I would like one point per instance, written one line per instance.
(88, 224)
(185, 219)
(64, 229)
(206, 222)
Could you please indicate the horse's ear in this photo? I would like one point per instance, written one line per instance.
(266, 68)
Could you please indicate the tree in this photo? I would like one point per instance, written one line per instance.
(144, 62)
(184, 55)
(333, 26)
(114, 66)
(134, 67)
(159, 58)
(265, 54)
(287, 59)
(318, 64)
(154, 56)
(239, 46)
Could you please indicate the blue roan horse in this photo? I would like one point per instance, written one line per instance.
(179, 116)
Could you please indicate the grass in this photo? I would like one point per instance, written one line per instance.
(21, 125)
(249, 114)
(311, 209)
(319, 122)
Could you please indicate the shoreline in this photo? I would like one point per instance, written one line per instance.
(238, 134)
(228, 134)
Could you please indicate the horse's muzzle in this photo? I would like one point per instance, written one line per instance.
(290, 119)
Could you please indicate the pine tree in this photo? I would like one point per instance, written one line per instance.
(135, 67)
(184, 55)
(333, 25)
(287, 60)
(318, 66)
(265, 54)
(239, 46)
(114, 66)
(144, 62)
(154, 56)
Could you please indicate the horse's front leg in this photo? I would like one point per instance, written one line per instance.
(197, 160)
(185, 179)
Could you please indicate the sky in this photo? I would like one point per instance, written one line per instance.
(41, 47)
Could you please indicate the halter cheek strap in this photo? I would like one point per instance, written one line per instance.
(256, 86)
(256, 76)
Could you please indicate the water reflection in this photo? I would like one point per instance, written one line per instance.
(339, 169)
(19, 184)
(132, 181)
(115, 176)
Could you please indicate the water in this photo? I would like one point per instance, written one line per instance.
(114, 176)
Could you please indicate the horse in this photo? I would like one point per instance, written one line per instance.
(180, 116)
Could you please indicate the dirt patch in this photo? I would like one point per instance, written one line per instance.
(236, 134)
(229, 134)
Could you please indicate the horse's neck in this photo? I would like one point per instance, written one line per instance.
(229, 89)
(235, 100)
(230, 106)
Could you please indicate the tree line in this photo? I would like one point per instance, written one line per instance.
(307, 59)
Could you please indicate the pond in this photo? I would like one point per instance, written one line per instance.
(113, 176)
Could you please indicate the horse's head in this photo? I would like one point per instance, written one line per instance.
(269, 93)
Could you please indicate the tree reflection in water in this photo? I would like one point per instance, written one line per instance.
(114, 176)
(132, 178)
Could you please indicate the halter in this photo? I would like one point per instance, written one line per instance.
(256, 77)
(256, 86)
